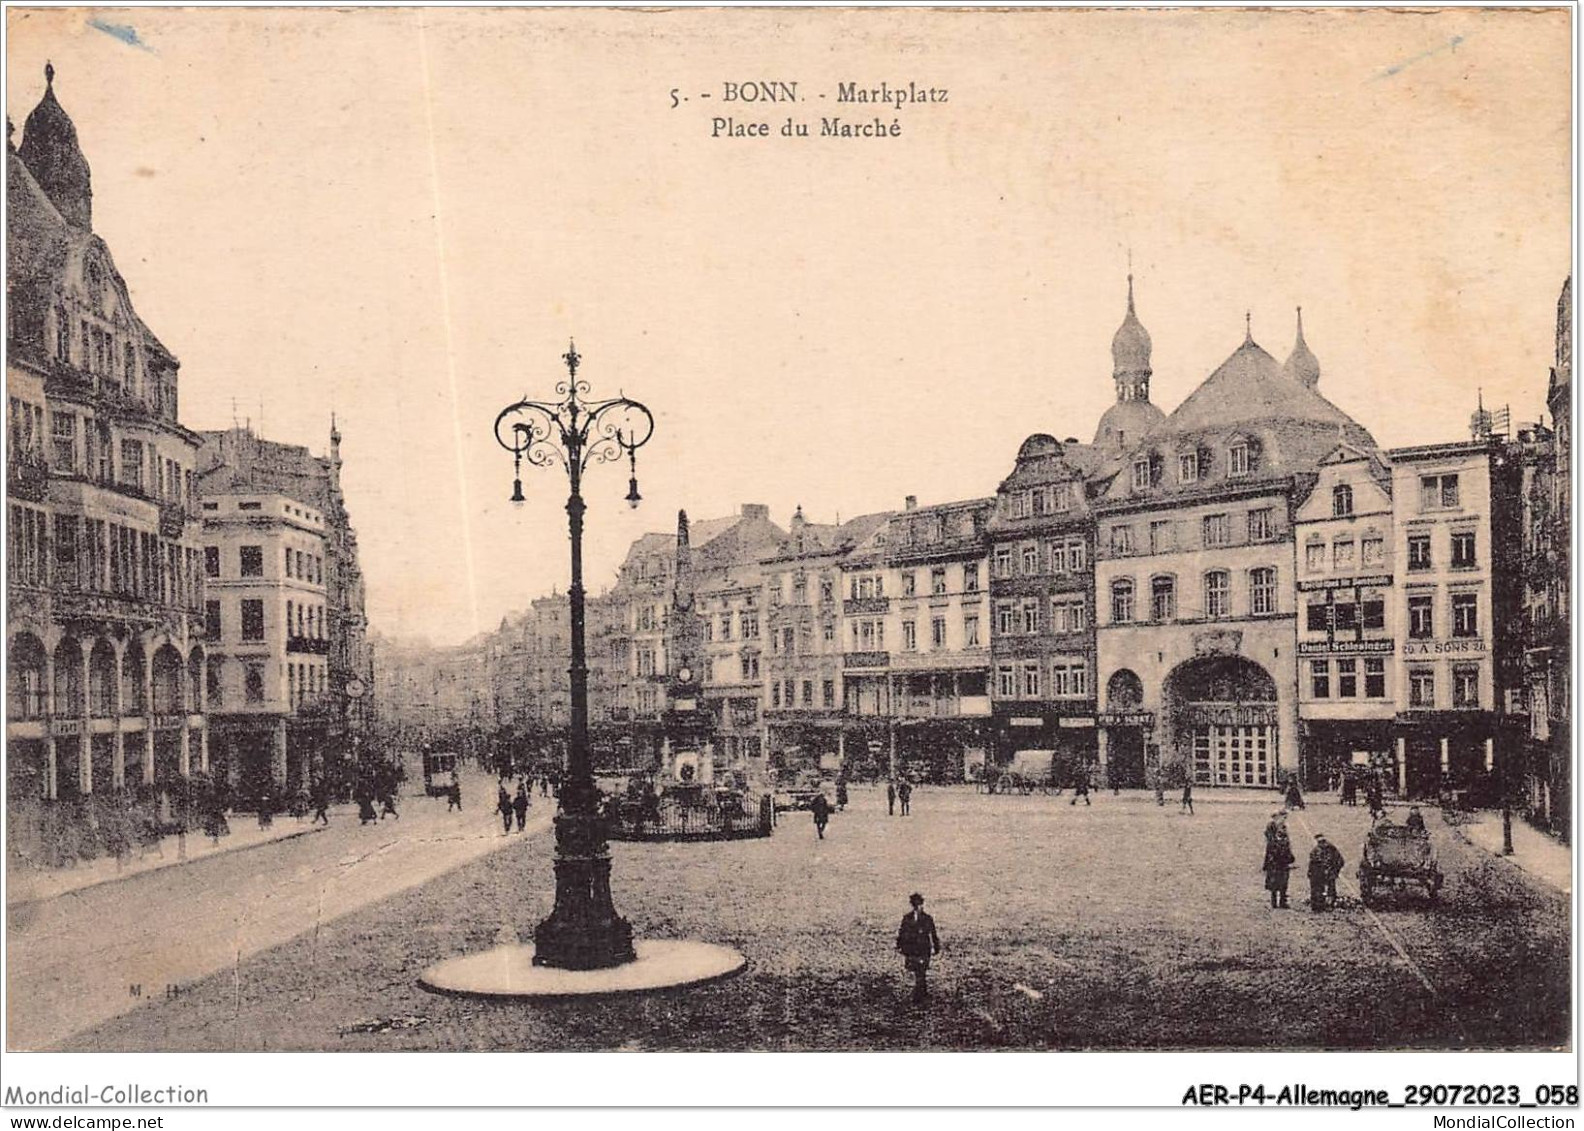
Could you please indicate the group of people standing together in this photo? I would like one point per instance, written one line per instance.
(1325, 865)
(511, 806)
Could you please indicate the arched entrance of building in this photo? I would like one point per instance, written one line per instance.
(1125, 765)
(1223, 715)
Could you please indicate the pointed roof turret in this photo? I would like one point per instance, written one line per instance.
(1133, 414)
(1302, 366)
(1130, 346)
(51, 153)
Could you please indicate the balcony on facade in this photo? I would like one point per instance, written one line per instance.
(307, 645)
(860, 606)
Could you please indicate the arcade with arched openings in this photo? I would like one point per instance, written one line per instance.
(1222, 720)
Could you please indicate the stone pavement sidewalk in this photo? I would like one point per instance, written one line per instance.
(31, 884)
(1543, 857)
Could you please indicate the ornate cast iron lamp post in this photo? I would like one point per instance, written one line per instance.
(584, 932)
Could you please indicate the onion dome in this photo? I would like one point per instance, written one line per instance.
(1302, 366)
(1125, 423)
(1130, 346)
(50, 151)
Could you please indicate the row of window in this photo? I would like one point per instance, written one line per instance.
(1149, 470)
(1370, 550)
(868, 634)
(303, 622)
(1260, 598)
(1340, 678)
(1465, 687)
(1346, 553)
(303, 681)
(98, 556)
(1346, 683)
(1463, 622)
(298, 564)
(747, 626)
(1022, 617)
(1053, 498)
(784, 693)
(139, 465)
(1029, 559)
(870, 586)
(1064, 677)
(1259, 525)
(103, 350)
(30, 697)
(1346, 615)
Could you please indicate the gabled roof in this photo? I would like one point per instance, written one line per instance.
(1250, 387)
(43, 250)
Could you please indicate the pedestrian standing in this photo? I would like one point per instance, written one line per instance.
(1294, 797)
(266, 809)
(841, 793)
(905, 796)
(520, 805)
(503, 806)
(454, 795)
(321, 803)
(918, 941)
(1081, 789)
(388, 803)
(1325, 862)
(821, 810)
(1377, 804)
(1187, 798)
(891, 798)
(365, 800)
(1277, 864)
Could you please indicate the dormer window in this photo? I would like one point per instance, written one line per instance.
(1141, 474)
(1238, 459)
(1188, 467)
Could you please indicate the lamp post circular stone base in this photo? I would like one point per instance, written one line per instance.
(509, 972)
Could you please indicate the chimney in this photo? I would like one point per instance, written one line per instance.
(910, 503)
(798, 520)
(756, 511)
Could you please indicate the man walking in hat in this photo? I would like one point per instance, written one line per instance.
(918, 942)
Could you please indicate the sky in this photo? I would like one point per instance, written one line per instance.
(401, 216)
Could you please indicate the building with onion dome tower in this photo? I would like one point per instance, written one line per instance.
(1194, 576)
(1133, 415)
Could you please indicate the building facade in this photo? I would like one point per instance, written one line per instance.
(1456, 531)
(1194, 576)
(802, 653)
(1348, 675)
(1041, 614)
(1547, 615)
(935, 558)
(267, 676)
(292, 675)
(105, 650)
